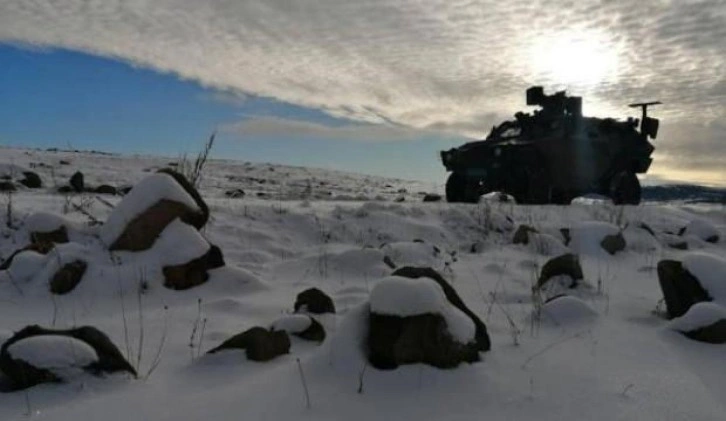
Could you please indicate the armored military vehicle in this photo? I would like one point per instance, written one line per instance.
(554, 155)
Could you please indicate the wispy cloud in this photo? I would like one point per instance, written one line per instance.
(276, 127)
(433, 64)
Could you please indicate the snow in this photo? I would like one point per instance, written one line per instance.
(586, 236)
(145, 194)
(710, 271)
(568, 309)
(617, 364)
(25, 265)
(398, 296)
(44, 222)
(294, 323)
(179, 243)
(698, 316)
(701, 229)
(53, 352)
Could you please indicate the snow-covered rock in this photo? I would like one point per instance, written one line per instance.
(705, 322)
(710, 270)
(147, 209)
(587, 237)
(701, 229)
(403, 297)
(300, 325)
(566, 309)
(53, 352)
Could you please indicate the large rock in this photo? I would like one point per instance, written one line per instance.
(259, 343)
(701, 229)
(482, 336)
(31, 180)
(703, 322)
(314, 301)
(57, 236)
(566, 264)
(149, 207)
(412, 321)
(7, 186)
(23, 374)
(302, 326)
(77, 182)
(68, 277)
(521, 236)
(680, 288)
(41, 248)
(194, 272)
(106, 189)
(613, 243)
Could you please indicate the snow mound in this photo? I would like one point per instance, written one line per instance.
(568, 309)
(294, 323)
(53, 352)
(145, 194)
(403, 297)
(587, 236)
(710, 271)
(45, 222)
(698, 316)
(411, 253)
(25, 265)
(179, 243)
(701, 229)
(546, 245)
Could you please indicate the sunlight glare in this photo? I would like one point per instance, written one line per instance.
(576, 58)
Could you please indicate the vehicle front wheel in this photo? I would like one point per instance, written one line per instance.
(459, 189)
(625, 189)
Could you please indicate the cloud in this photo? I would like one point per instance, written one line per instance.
(276, 127)
(432, 64)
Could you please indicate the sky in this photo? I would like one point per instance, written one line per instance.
(377, 86)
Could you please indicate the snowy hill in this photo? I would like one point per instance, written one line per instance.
(605, 351)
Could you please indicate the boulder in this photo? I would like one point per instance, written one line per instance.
(7, 186)
(431, 197)
(482, 336)
(714, 333)
(235, 193)
(701, 229)
(68, 277)
(42, 248)
(387, 260)
(76, 182)
(259, 344)
(566, 264)
(23, 374)
(136, 222)
(314, 301)
(613, 243)
(106, 189)
(412, 321)
(194, 272)
(521, 235)
(57, 236)
(703, 322)
(302, 326)
(680, 288)
(31, 180)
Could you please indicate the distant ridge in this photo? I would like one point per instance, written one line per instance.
(684, 192)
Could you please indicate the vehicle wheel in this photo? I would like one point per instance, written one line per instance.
(625, 189)
(461, 189)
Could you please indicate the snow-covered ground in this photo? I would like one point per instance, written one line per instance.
(606, 352)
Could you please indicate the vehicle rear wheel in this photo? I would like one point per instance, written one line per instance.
(460, 189)
(625, 189)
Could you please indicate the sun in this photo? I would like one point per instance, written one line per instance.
(583, 58)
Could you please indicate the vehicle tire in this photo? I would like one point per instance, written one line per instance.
(459, 189)
(625, 189)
